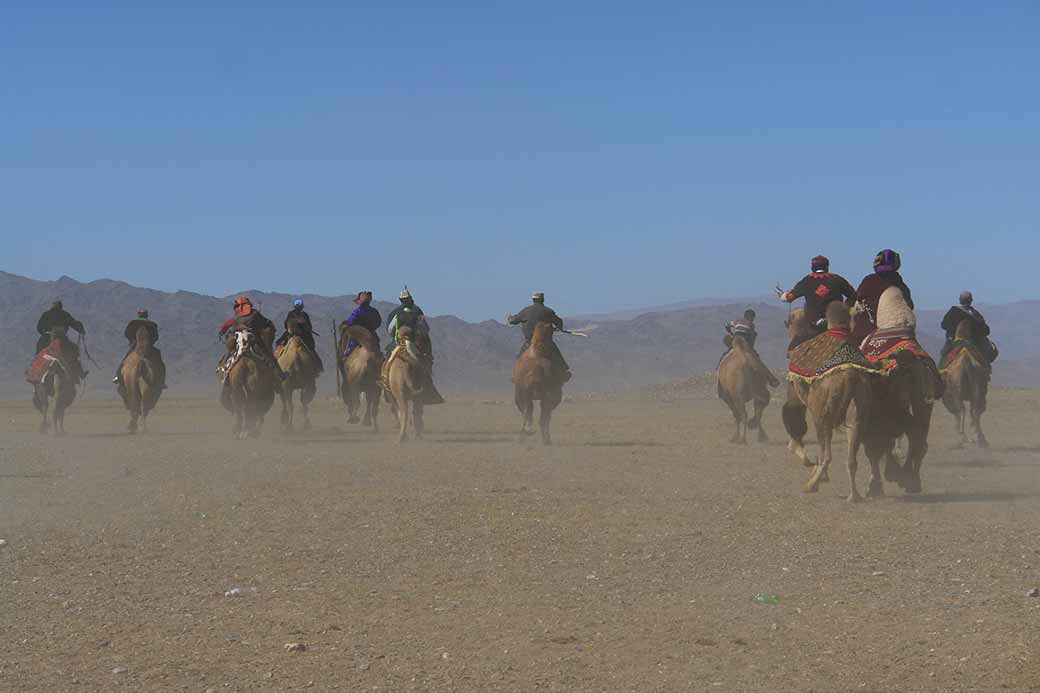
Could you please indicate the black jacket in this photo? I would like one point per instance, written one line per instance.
(819, 289)
(58, 317)
(298, 322)
(534, 314)
(955, 315)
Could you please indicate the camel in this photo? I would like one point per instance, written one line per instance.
(744, 378)
(534, 379)
(251, 384)
(406, 382)
(301, 368)
(53, 395)
(140, 380)
(967, 380)
(360, 371)
(836, 397)
(903, 401)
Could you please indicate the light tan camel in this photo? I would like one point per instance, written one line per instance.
(967, 381)
(744, 378)
(300, 366)
(838, 396)
(141, 377)
(360, 371)
(406, 379)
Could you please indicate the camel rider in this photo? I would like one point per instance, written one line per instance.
(744, 328)
(819, 288)
(532, 315)
(886, 275)
(366, 316)
(55, 318)
(407, 314)
(131, 336)
(247, 318)
(298, 323)
(56, 322)
(980, 332)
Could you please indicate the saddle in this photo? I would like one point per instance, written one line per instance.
(960, 345)
(59, 353)
(824, 353)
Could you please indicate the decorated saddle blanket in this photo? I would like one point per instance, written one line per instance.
(959, 346)
(52, 356)
(883, 345)
(824, 353)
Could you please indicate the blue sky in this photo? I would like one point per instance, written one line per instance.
(611, 154)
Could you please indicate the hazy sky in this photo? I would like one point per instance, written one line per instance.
(611, 154)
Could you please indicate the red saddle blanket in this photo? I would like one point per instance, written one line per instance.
(43, 362)
(882, 345)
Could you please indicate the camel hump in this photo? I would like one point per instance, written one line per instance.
(965, 330)
(894, 311)
(362, 336)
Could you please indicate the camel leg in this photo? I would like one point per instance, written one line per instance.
(287, 407)
(740, 414)
(760, 407)
(824, 432)
(853, 463)
(417, 416)
(405, 414)
(372, 399)
(544, 418)
(793, 415)
(306, 397)
(976, 421)
(353, 401)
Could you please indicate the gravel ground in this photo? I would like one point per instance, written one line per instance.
(625, 558)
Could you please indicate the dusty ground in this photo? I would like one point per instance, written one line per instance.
(624, 558)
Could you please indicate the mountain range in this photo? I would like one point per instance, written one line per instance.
(624, 350)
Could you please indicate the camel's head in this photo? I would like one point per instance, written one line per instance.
(795, 323)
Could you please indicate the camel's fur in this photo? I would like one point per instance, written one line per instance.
(405, 380)
(140, 380)
(53, 396)
(300, 365)
(967, 380)
(840, 397)
(252, 386)
(361, 371)
(744, 378)
(533, 379)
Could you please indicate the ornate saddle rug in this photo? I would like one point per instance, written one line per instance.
(52, 356)
(883, 345)
(824, 353)
(956, 349)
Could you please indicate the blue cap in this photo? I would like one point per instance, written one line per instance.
(298, 303)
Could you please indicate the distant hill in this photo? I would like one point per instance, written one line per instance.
(649, 347)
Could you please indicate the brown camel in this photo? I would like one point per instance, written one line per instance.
(966, 376)
(534, 379)
(406, 380)
(903, 400)
(53, 395)
(360, 371)
(300, 366)
(140, 379)
(251, 383)
(744, 378)
(838, 396)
